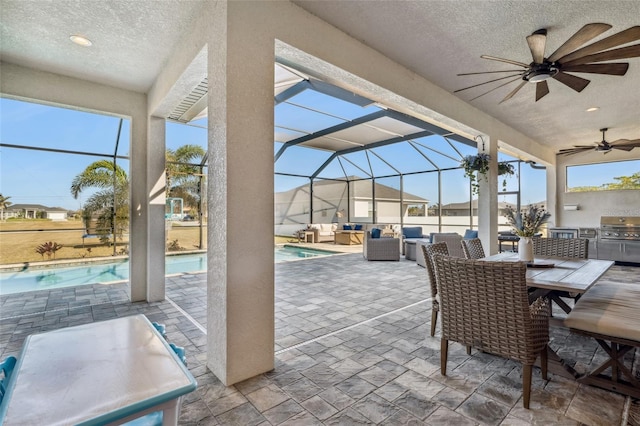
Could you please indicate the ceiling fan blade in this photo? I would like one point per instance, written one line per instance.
(495, 88)
(609, 68)
(623, 37)
(537, 42)
(582, 36)
(610, 55)
(568, 151)
(542, 89)
(486, 82)
(508, 61)
(625, 147)
(625, 144)
(513, 92)
(487, 72)
(576, 83)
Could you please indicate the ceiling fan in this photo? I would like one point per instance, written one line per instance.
(567, 59)
(603, 146)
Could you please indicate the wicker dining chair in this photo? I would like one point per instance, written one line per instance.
(561, 247)
(473, 248)
(576, 248)
(429, 251)
(485, 305)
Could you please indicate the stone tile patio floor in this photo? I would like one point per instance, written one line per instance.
(352, 347)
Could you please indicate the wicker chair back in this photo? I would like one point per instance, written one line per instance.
(561, 247)
(430, 250)
(485, 305)
(473, 248)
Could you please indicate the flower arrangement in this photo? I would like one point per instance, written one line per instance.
(529, 223)
(480, 163)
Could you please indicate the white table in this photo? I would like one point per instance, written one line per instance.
(97, 373)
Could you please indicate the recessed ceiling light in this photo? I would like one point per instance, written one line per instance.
(593, 109)
(80, 40)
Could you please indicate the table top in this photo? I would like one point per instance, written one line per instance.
(572, 275)
(93, 374)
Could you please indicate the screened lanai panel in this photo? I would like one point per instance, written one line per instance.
(441, 160)
(355, 164)
(61, 128)
(330, 201)
(403, 157)
(446, 148)
(323, 103)
(377, 130)
(301, 161)
(302, 119)
(333, 170)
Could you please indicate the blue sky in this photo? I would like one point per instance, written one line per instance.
(36, 177)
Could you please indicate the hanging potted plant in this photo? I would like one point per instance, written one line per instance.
(475, 163)
(505, 168)
(480, 164)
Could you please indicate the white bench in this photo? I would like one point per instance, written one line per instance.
(610, 312)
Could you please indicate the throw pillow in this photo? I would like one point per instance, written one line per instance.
(375, 233)
(346, 227)
(470, 234)
(412, 232)
(357, 227)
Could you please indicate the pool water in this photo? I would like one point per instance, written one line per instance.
(32, 279)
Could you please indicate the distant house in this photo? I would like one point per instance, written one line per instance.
(335, 201)
(33, 211)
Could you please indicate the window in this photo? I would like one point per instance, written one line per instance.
(615, 175)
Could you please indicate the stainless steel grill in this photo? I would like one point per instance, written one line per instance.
(620, 228)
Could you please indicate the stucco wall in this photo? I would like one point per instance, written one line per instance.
(593, 205)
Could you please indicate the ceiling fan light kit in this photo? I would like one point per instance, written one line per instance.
(570, 57)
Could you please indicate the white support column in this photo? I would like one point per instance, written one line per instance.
(138, 210)
(240, 278)
(488, 197)
(157, 189)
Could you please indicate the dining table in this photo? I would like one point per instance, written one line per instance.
(553, 277)
(105, 372)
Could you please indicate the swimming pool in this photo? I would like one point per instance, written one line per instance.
(32, 279)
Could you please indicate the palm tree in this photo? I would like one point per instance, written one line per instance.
(110, 205)
(4, 203)
(184, 174)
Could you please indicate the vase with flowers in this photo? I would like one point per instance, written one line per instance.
(526, 224)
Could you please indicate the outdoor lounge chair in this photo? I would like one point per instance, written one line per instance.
(473, 248)
(485, 305)
(453, 242)
(385, 248)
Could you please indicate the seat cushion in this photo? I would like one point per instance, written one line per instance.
(611, 309)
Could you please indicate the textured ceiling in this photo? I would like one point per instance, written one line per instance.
(131, 39)
(436, 39)
(439, 39)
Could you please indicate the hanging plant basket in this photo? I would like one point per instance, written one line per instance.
(475, 165)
